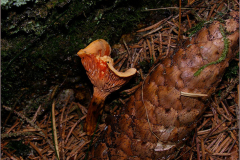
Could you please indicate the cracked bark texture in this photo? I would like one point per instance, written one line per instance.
(171, 116)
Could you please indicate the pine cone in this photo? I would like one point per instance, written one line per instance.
(158, 117)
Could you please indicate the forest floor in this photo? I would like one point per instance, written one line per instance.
(59, 131)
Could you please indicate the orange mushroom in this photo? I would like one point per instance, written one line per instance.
(104, 77)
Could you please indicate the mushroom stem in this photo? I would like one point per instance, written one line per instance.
(94, 110)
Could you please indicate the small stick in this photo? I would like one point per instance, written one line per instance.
(225, 109)
(81, 156)
(225, 147)
(135, 46)
(218, 142)
(166, 8)
(221, 154)
(220, 7)
(9, 155)
(13, 109)
(203, 132)
(232, 110)
(191, 157)
(31, 130)
(83, 109)
(132, 90)
(222, 144)
(214, 129)
(122, 62)
(45, 149)
(129, 55)
(119, 59)
(41, 123)
(141, 74)
(63, 110)
(208, 115)
(189, 23)
(54, 130)
(226, 92)
(35, 147)
(36, 113)
(75, 124)
(165, 43)
(155, 30)
(208, 151)
(114, 109)
(184, 153)
(160, 44)
(15, 134)
(134, 57)
(173, 24)
(209, 15)
(152, 26)
(16, 123)
(236, 2)
(203, 149)
(198, 150)
(144, 50)
(152, 48)
(67, 119)
(67, 146)
(169, 43)
(20, 126)
(213, 142)
(186, 94)
(219, 112)
(62, 129)
(140, 42)
(149, 48)
(230, 148)
(137, 58)
(180, 14)
(238, 116)
(203, 124)
(225, 129)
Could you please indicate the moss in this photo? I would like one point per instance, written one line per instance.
(6, 4)
(198, 27)
(223, 55)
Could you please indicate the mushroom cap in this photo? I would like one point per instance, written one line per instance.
(99, 47)
(99, 67)
(110, 63)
